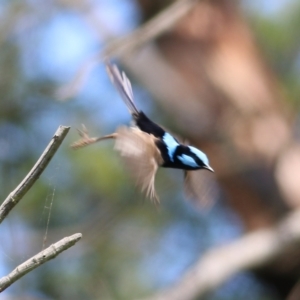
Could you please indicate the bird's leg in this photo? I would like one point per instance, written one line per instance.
(86, 140)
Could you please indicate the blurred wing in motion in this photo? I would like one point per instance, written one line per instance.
(200, 187)
(86, 140)
(141, 157)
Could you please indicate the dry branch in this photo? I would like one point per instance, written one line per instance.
(150, 30)
(15, 196)
(118, 47)
(249, 252)
(39, 259)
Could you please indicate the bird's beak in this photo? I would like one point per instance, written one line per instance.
(209, 169)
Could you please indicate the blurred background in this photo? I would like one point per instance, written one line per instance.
(225, 76)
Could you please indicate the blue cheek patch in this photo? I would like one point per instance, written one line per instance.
(171, 144)
(188, 161)
(200, 154)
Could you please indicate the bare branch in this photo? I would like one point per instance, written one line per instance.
(39, 259)
(123, 46)
(249, 252)
(15, 196)
(150, 30)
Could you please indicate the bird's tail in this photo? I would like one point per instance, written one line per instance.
(123, 86)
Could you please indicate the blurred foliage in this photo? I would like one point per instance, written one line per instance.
(278, 37)
(129, 248)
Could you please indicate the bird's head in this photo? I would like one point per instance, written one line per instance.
(194, 158)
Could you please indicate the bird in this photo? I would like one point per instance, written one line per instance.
(146, 146)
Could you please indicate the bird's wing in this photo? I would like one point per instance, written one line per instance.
(200, 187)
(123, 86)
(141, 157)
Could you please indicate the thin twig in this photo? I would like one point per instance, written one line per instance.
(15, 196)
(119, 47)
(150, 30)
(249, 252)
(39, 259)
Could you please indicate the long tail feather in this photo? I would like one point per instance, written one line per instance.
(123, 86)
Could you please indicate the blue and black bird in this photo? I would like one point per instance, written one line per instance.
(147, 146)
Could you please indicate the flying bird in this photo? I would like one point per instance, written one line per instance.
(146, 146)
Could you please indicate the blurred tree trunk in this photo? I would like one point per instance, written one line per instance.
(248, 129)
